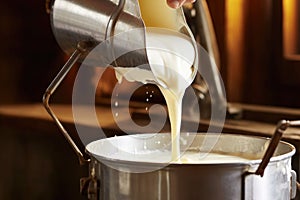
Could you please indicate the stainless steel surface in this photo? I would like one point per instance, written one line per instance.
(194, 181)
(116, 25)
(209, 42)
(91, 21)
(75, 21)
(205, 28)
(201, 21)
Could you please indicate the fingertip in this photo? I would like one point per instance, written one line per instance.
(173, 4)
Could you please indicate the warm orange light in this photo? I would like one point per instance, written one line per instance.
(290, 27)
(234, 44)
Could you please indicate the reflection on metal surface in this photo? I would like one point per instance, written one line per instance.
(198, 181)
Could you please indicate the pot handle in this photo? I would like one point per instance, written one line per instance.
(80, 50)
(294, 184)
(281, 127)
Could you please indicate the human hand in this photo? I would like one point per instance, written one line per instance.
(178, 3)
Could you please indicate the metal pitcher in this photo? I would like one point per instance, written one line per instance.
(92, 22)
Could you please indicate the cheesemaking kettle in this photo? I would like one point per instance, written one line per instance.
(129, 179)
(266, 173)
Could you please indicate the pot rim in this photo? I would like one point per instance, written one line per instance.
(107, 159)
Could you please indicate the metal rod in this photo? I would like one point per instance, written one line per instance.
(111, 25)
(294, 123)
(110, 29)
(51, 89)
(281, 127)
(206, 30)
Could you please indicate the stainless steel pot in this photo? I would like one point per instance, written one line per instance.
(116, 179)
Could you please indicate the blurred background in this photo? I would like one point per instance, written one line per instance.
(259, 44)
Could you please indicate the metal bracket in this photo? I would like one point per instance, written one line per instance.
(81, 48)
(281, 127)
(89, 186)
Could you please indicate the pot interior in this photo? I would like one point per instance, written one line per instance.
(196, 148)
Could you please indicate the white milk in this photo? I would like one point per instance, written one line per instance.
(188, 157)
(171, 56)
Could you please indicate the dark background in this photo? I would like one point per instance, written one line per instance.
(30, 56)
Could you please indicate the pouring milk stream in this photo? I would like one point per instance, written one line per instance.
(171, 56)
